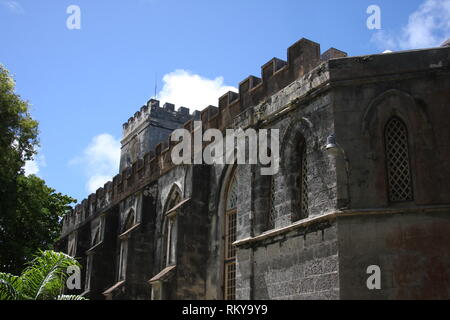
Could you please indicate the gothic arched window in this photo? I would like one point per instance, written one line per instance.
(170, 231)
(397, 161)
(230, 237)
(72, 244)
(129, 220)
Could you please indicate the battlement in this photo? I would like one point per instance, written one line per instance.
(153, 110)
(276, 74)
(303, 58)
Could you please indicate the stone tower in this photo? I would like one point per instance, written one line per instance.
(149, 127)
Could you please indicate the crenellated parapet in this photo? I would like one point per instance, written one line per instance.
(152, 110)
(276, 74)
(302, 57)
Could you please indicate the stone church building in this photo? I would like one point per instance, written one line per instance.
(363, 190)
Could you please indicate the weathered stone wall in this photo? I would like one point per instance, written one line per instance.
(301, 264)
(408, 240)
(411, 249)
(367, 93)
(192, 238)
(349, 224)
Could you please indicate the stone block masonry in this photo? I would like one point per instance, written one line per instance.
(165, 231)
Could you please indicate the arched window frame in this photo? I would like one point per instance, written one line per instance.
(129, 221)
(422, 142)
(97, 231)
(295, 152)
(170, 227)
(230, 225)
(72, 244)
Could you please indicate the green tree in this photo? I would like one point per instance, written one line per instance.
(35, 224)
(43, 279)
(18, 139)
(30, 211)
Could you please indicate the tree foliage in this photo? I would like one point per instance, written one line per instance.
(30, 211)
(34, 224)
(18, 136)
(43, 279)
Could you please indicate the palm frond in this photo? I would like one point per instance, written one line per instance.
(9, 287)
(46, 274)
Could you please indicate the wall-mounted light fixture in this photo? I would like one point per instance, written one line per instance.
(334, 150)
(332, 147)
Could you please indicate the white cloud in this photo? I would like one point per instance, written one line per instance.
(383, 40)
(428, 26)
(100, 160)
(192, 91)
(97, 181)
(33, 166)
(13, 6)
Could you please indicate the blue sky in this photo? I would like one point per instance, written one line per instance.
(83, 84)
